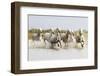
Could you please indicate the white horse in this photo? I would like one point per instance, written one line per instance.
(80, 39)
(71, 41)
(63, 39)
(68, 39)
(37, 41)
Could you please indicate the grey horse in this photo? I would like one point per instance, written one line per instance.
(52, 38)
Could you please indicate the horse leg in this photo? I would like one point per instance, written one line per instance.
(67, 44)
(52, 45)
(45, 42)
(64, 44)
(82, 44)
(59, 44)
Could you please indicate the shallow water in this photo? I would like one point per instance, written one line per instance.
(56, 54)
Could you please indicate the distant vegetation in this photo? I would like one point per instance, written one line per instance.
(34, 30)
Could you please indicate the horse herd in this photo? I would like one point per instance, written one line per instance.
(59, 39)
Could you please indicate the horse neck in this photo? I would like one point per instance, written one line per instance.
(70, 37)
(59, 36)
